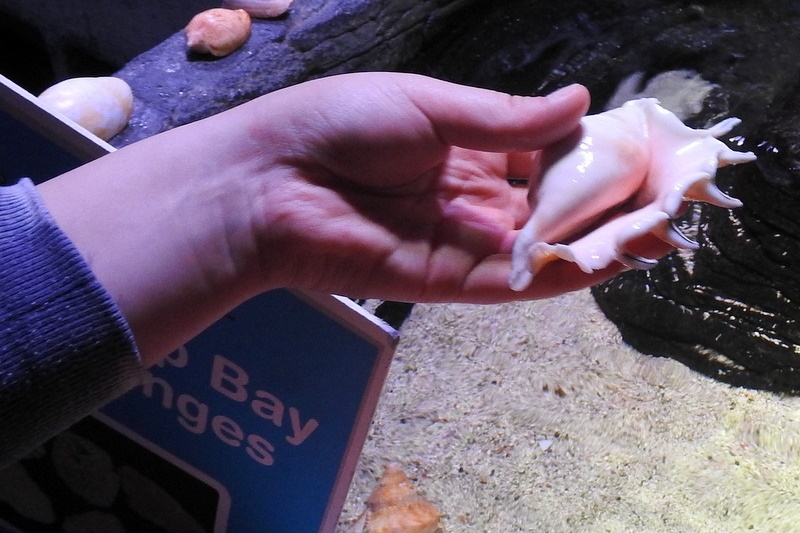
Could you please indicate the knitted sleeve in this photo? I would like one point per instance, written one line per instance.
(65, 348)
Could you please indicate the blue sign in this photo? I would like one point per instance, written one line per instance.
(254, 425)
(265, 404)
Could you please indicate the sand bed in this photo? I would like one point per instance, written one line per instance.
(536, 417)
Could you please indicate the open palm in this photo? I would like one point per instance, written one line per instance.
(397, 186)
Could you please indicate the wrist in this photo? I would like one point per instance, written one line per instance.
(164, 226)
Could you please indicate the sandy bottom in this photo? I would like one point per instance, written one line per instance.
(535, 417)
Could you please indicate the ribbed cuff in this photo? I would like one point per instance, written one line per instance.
(65, 348)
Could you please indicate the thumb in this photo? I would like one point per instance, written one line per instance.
(492, 121)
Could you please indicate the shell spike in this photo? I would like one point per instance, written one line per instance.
(721, 128)
(540, 254)
(705, 190)
(732, 157)
(519, 280)
(638, 224)
(545, 253)
(683, 191)
(636, 262)
(521, 265)
(670, 233)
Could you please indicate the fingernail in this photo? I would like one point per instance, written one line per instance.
(564, 94)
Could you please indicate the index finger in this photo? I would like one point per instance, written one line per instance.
(486, 120)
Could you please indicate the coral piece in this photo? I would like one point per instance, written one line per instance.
(639, 156)
(260, 8)
(395, 507)
(218, 31)
(683, 92)
(102, 105)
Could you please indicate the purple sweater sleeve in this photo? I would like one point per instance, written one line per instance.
(65, 348)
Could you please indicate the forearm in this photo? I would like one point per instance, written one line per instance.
(370, 185)
(156, 222)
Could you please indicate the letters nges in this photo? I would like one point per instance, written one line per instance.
(230, 380)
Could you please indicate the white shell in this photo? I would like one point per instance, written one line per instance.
(639, 155)
(260, 8)
(102, 105)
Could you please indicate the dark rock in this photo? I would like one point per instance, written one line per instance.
(83, 35)
(316, 38)
(729, 310)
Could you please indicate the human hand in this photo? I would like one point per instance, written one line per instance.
(376, 185)
(396, 186)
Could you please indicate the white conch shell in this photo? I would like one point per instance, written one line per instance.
(639, 155)
(260, 8)
(102, 105)
(218, 31)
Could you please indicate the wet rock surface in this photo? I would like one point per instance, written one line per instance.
(315, 38)
(730, 309)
